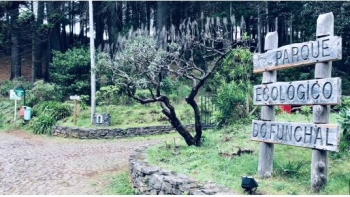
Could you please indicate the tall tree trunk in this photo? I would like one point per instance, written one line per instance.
(54, 43)
(15, 36)
(55, 34)
(99, 22)
(38, 42)
(63, 27)
(34, 40)
(161, 14)
(291, 29)
(148, 16)
(71, 23)
(119, 20)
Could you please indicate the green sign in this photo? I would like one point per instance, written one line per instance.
(19, 91)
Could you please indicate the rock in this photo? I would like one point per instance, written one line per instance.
(150, 170)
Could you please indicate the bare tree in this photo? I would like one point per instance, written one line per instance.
(143, 62)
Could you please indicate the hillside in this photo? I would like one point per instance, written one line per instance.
(5, 65)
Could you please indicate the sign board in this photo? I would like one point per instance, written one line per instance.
(74, 97)
(19, 91)
(13, 95)
(322, 50)
(307, 135)
(319, 92)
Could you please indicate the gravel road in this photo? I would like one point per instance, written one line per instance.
(31, 164)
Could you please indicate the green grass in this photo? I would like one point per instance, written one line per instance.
(120, 185)
(131, 116)
(291, 164)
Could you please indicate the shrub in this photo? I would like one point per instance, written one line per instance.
(42, 124)
(54, 109)
(345, 103)
(344, 121)
(43, 92)
(233, 84)
(71, 71)
(47, 113)
(230, 101)
(7, 85)
(112, 95)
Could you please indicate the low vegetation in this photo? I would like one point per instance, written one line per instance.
(218, 161)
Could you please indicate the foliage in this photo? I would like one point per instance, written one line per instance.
(7, 85)
(120, 185)
(124, 116)
(306, 111)
(25, 17)
(291, 166)
(112, 95)
(192, 56)
(42, 124)
(54, 109)
(43, 92)
(288, 168)
(345, 103)
(231, 101)
(344, 121)
(234, 84)
(71, 71)
(46, 114)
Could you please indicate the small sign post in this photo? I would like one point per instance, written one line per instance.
(14, 96)
(75, 98)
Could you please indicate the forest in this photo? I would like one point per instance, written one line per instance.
(209, 43)
(42, 27)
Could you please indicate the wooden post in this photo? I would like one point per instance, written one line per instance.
(265, 166)
(319, 160)
(15, 115)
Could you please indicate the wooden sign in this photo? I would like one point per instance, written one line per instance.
(307, 135)
(319, 91)
(322, 50)
(74, 97)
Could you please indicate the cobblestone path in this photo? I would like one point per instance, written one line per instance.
(44, 165)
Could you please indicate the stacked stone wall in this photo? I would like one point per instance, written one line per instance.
(107, 133)
(152, 180)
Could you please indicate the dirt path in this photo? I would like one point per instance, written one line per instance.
(43, 165)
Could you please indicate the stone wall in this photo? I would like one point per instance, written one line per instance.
(152, 180)
(107, 133)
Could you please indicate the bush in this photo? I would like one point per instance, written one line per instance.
(42, 124)
(54, 109)
(233, 84)
(71, 71)
(43, 92)
(7, 85)
(344, 121)
(112, 95)
(345, 104)
(230, 101)
(47, 113)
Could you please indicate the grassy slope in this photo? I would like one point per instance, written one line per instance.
(131, 116)
(205, 164)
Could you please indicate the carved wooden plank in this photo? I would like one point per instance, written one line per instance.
(307, 135)
(309, 92)
(300, 54)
